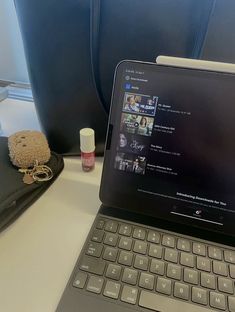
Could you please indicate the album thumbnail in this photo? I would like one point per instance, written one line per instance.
(136, 124)
(130, 163)
(133, 144)
(140, 104)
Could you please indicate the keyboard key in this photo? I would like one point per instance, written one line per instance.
(80, 280)
(111, 239)
(141, 262)
(191, 276)
(229, 256)
(125, 230)
(220, 268)
(94, 250)
(215, 253)
(110, 254)
(168, 241)
(184, 245)
(146, 281)
(100, 224)
(125, 258)
(157, 267)
(140, 247)
(153, 237)
(129, 294)
(173, 271)
(139, 233)
(217, 300)
(164, 286)
(225, 285)
(125, 243)
(231, 304)
(112, 290)
(97, 236)
(181, 291)
(199, 249)
(95, 284)
(187, 259)
(203, 264)
(199, 295)
(158, 303)
(130, 276)
(113, 271)
(171, 255)
(155, 251)
(208, 280)
(92, 265)
(111, 226)
(232, 270)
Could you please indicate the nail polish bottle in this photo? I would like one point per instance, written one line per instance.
(87, 146)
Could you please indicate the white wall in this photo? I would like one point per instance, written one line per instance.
(12, 59)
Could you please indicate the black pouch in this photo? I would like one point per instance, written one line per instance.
(15, 196)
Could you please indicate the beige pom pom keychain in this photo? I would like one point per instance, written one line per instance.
(29, 151)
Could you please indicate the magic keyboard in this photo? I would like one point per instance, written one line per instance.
(141, 266)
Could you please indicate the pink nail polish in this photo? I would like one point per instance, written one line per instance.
(87, 146)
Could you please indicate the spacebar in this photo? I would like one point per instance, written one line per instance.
(160, 303)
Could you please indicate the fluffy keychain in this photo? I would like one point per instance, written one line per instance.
(29, 151)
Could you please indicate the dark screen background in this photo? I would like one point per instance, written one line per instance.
(196, 158)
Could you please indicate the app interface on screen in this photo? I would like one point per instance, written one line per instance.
(175, 137)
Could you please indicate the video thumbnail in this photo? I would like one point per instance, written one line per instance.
(136, 124)
(130, 163)
(140, 104)
(133, 144)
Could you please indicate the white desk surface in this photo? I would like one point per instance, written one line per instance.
(39, 250)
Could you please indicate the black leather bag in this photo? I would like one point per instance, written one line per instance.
(219, 44)
(15, 196)
(73, 46)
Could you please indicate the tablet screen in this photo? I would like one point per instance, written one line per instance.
(172, 147)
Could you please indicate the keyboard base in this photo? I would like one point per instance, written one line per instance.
(76, 299)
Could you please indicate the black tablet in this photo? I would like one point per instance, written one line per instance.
(170, 148)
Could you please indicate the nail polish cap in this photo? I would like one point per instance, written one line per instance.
(87, 140)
